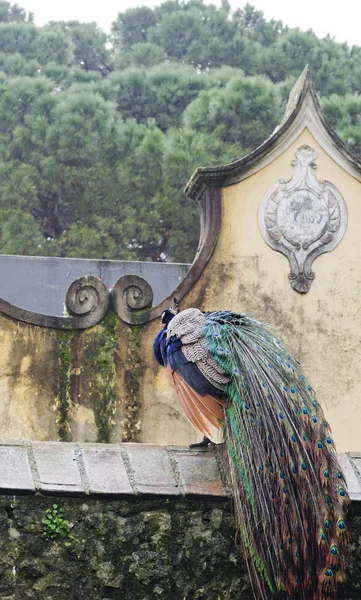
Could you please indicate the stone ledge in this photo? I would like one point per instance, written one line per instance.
(124, 469)
(109, 469)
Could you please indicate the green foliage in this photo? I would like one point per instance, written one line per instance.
(344, 114)
(55, 46)
(131, 27)
(55, 526)
(141, 55)
(161, 93)
(13, 13)
(243, 110)
(90, 46)
(99, 134)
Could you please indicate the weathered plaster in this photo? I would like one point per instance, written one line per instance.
(28, 374)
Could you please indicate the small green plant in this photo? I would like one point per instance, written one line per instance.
(56, 526)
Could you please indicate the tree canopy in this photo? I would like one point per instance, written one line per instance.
(99, 133)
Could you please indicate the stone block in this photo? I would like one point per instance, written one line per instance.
(15, 472)
(105, 469)
(352, 477)
(199, 473)
(57, 467)
(151, 469)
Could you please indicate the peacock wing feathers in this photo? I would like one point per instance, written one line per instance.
(198, 378)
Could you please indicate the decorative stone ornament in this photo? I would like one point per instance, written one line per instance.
(302, 218)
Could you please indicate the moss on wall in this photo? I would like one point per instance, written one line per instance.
(132, 377)
(105, 378)
(87, 376)
(87, 364)
(99, 369)
(63, 401)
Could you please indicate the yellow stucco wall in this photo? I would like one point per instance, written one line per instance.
(322, 327)
(28, 381)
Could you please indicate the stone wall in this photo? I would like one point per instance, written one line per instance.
(123, 549)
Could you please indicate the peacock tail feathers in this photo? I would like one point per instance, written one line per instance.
(289, 492)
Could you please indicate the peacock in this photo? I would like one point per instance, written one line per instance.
(238, 383)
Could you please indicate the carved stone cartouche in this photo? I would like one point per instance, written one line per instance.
(302, 218)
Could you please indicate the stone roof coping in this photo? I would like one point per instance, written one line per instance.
(124, 470)
(109, 469)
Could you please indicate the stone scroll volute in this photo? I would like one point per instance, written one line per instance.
(302, 218)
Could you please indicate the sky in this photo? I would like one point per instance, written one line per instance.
(340, 19)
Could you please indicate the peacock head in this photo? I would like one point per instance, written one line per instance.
(169, 313)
